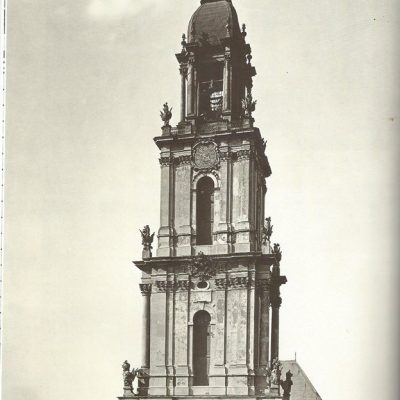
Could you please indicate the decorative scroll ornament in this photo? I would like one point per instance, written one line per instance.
(202, 267)
(248, 106)
(128, 377)
(166, 114)
(147, 241)
(205, 156)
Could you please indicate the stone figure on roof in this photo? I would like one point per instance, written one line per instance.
(128, 376)
(166, 114)
(287, 385)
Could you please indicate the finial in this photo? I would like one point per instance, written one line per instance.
(183, 43)
(244, 33)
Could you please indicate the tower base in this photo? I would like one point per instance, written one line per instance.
(267, 396)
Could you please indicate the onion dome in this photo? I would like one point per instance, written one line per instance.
(213, 21)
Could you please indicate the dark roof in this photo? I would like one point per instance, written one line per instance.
(215, 20)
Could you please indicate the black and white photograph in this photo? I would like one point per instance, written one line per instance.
(200, 200)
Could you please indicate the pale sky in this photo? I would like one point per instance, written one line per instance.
(85, 82)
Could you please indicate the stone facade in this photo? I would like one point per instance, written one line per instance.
(238, 172)
(237, 295)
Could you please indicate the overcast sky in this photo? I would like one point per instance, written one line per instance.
(85, 82)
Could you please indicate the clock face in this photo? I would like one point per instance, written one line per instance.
(205, 155)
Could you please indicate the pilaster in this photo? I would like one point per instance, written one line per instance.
(166, 231)
(183, 203)
(241, 202)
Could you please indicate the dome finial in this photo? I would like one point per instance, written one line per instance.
(244, 33)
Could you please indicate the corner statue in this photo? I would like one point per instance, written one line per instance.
(248, 106)
(147, 241)
(166, 114)
(129, 377)
(276, 372)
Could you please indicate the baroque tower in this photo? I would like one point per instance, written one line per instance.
(211, 293)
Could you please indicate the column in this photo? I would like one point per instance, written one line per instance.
(251, 346)
(276, 302)
(170, 334)
(227, 83)
(165, 239)
(146, 292)
(183, 70)
(236, 351)
(183, 179)
(241, 201)
(158, 334)
(181, 336)
(191, 89)
(224, 242)
(264, 323)
(143, 377)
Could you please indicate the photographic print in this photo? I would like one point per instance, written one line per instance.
(201, 200)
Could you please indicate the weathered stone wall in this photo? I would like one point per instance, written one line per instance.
(233, 300)
(238, 171)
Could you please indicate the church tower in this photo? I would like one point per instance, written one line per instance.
(211, 293)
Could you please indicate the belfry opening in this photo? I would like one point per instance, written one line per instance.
(204, 211)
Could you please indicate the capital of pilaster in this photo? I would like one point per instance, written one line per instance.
(238, 282)
(183, 69)
(221, 283)
(145, 289)
(225, 156)
(162, 286)
(263, 284)
(244, 154)
(183, 285)
(276, 301)
(191, 59)
(183, 160)
(166, 161)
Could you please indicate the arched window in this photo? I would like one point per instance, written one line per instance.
(205, 211)
(201, 348)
